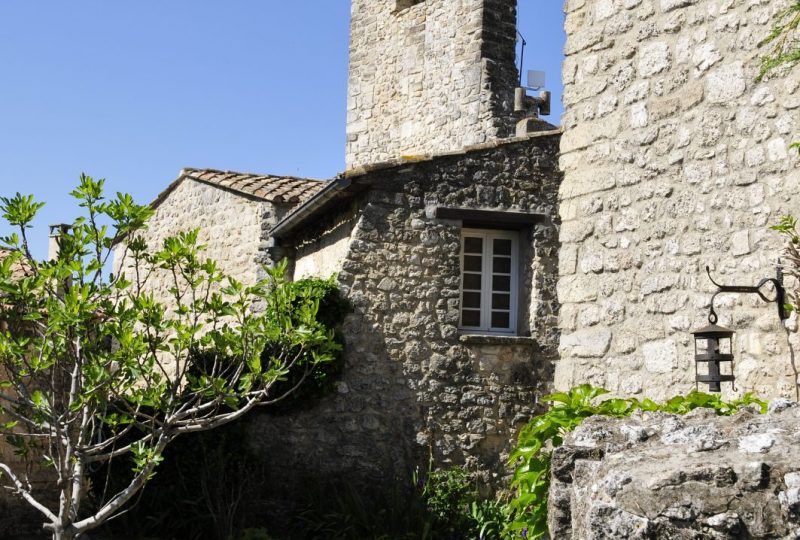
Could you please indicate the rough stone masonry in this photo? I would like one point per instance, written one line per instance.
(674, 158)
(414, 386)
(659, 475)
(428, 76)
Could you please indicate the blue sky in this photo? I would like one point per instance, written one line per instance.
(134, 91)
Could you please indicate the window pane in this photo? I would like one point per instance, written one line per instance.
(501, 301)
(501, 283)
(472, 281)
(473, 245)
(502, 265)
(472, 263)
(500, 319)
(471, 300)
(470, 318)
(489, 265)
(502, 246)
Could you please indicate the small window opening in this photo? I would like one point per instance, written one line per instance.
(489, 261)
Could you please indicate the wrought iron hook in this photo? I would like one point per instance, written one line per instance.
(777, 282)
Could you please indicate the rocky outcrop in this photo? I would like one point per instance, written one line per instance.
(658, 475)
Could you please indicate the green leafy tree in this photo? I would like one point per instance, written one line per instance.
(95, 367)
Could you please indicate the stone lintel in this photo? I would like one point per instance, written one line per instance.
(475, 339)
(485, 218)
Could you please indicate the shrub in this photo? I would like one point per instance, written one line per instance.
(531, 457)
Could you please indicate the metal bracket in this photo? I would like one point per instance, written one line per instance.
(777, 282)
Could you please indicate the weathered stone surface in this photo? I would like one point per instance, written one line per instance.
(689, 169)
(587, 343)
(412, 384)
(726, 83)
(235, 233)
(660, 356)
(661, 483)
(653, 58)
(433, 77)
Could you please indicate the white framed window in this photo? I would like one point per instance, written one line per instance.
(489, 277)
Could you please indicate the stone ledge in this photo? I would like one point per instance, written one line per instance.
(477, 339)
(412, 159)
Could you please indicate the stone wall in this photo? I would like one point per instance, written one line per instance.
(17, 518)
(674, 158)
(412, 384)
(659, 475)
(324, 255)
(435, 76)
(233, 227)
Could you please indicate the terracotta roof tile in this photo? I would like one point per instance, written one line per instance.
(278, 189)
(18, 269)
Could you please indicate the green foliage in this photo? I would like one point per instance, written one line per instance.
(100, 366)
(787, 226)
(784, 47)
(442, 504)
(448, 495)
(489, 518)
(20, 210)
(531, 457)
(333, 308)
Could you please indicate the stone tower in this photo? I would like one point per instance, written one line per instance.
(428, 76)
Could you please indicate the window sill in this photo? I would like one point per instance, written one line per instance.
(483, 339)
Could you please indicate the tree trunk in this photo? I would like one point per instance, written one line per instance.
(60, 534)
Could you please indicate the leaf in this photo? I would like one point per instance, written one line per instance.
(19, 210)
(39, 400)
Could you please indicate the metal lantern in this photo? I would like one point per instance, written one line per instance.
(713, 344)
(713, 347)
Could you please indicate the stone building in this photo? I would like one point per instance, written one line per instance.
(443, 233)
(233, 213)
(14, 515)
(485, 268)
(675, 158)
(425, 372)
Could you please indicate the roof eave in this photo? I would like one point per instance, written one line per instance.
(298, 216)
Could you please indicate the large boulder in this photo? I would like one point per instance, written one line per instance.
(658, 475)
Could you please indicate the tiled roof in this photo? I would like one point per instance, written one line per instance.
(19, 268)
(277, 189)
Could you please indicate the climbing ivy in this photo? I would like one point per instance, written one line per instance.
(791, 258)
(531, 458)
(785, 49)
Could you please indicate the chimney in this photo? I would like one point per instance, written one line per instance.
(54, 244)
(528, 109)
